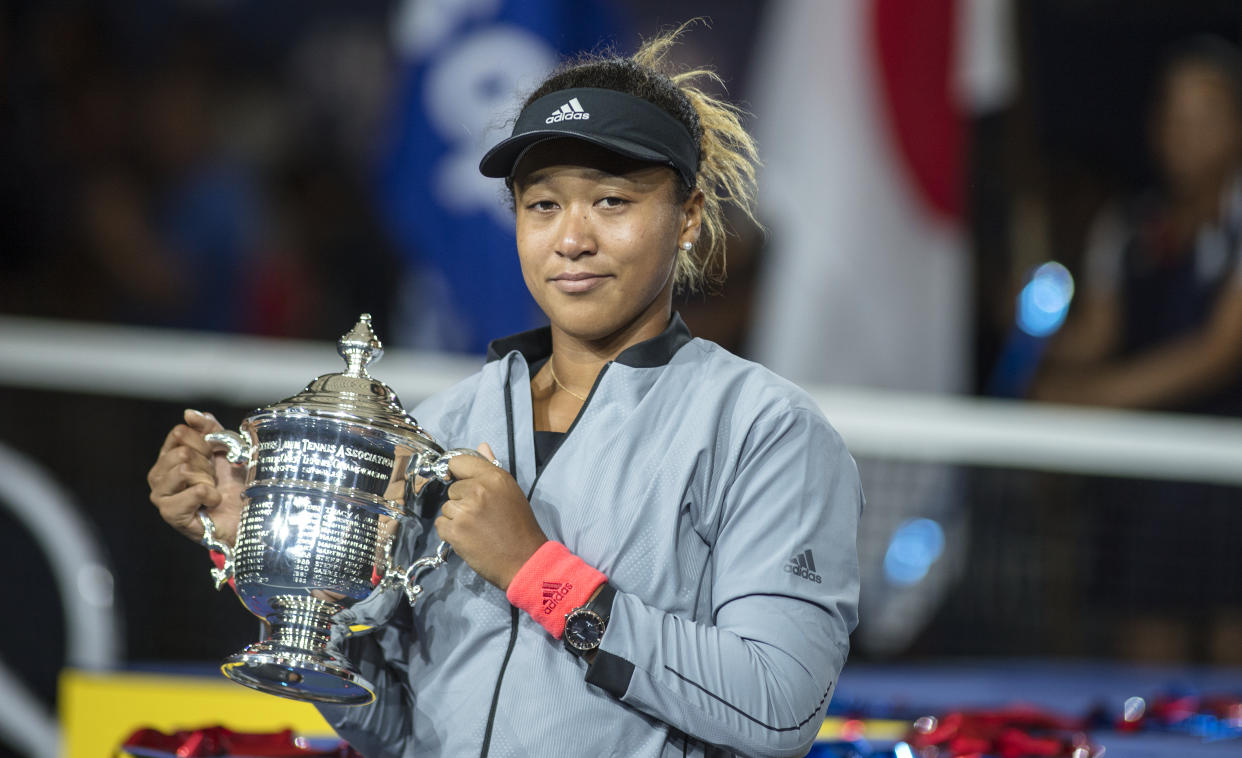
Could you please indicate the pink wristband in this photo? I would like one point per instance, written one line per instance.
(552, 583)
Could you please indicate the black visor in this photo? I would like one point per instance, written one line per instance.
(622, 123)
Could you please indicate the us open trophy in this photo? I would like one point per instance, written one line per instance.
(322, 470)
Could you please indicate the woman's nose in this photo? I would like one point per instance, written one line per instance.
(577, 235)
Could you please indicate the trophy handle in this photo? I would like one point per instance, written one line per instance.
(433, 464)
(429, 464)
(239, 449)
(407, 579)
(211, 542)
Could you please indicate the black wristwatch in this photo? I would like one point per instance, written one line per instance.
(584, 626)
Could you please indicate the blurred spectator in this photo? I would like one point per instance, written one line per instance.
(1159, 325)
(1159, 320)
(327, 259)
(175, 238)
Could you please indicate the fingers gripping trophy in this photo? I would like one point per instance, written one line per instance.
(328, 472)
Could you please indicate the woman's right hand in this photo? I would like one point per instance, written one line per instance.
(191, 473)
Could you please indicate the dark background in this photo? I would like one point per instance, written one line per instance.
(1074, 137)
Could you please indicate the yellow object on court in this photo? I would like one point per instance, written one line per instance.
(836, 728)
(99, 710)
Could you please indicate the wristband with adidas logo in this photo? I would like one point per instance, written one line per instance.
(551, 583)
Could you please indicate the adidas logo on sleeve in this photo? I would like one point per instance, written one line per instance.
(803, 565)
(571, 111)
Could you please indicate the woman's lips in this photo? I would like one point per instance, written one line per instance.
(578, 282)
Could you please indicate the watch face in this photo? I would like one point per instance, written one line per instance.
(584, 630)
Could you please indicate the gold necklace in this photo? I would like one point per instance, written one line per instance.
(552, 371)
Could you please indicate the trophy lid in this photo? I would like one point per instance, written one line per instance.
(354, 391)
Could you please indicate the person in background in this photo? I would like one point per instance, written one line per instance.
(170, 226)
(1158, 323)
(1159, 326)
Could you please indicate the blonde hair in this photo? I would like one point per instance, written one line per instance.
(728, 155)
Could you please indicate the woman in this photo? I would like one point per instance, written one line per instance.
(1159, 324)
(683, 519)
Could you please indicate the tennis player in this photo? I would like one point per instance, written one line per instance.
(664, 562)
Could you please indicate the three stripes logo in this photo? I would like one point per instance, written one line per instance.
(553, 594)
(803, 565)
(571, 111)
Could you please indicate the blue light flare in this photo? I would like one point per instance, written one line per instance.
(915, 546)
(1045, 300)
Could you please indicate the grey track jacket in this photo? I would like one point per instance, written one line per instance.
(721, 506)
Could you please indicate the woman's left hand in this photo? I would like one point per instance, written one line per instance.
(487, 519)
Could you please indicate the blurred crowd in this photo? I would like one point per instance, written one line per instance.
(177, 165)
(213, 165)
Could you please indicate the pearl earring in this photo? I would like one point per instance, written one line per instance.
(686, 246)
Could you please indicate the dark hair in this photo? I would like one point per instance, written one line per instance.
(1211, 51)
(727, 154)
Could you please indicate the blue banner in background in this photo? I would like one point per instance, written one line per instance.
(467, 65)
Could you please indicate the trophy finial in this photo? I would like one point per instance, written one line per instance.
(360, 347)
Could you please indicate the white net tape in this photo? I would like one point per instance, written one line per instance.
(252, 371)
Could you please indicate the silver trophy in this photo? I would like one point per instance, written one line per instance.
(331, 474)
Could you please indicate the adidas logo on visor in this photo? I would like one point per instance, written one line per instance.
(571, 111)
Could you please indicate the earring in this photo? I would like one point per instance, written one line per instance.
(686, 246)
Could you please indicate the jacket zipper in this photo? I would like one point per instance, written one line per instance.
(513, 611)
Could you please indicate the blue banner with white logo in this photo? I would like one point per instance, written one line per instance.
(468, 64)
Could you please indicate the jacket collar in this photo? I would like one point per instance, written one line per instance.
(537, 344)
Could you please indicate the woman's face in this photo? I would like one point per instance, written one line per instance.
(1198, 127)
(597, 235)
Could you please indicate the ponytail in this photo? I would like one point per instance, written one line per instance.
(728, 159)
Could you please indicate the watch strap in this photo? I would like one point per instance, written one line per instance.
(602, 603)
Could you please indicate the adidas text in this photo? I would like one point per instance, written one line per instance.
(567, 117)
(799, 571)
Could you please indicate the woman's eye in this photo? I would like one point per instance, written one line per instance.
(612, 202)
(542, 205)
